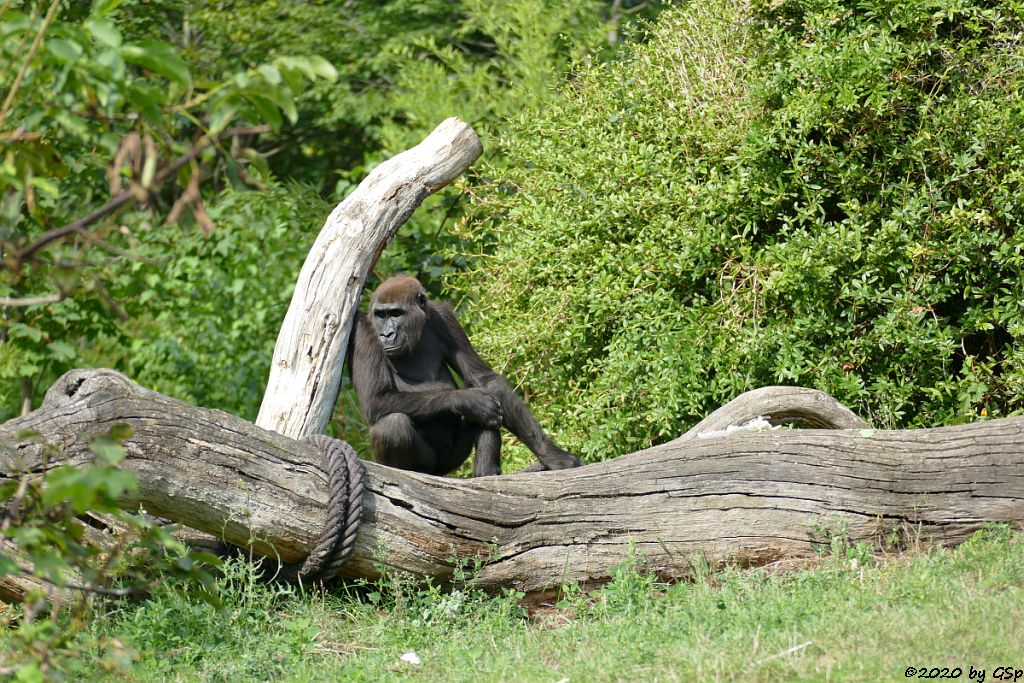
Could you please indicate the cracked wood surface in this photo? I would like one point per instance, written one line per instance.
(744, 497)
(309, 356)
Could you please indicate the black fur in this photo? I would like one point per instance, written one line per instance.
(404, 353)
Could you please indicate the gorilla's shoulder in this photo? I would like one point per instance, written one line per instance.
(442, 308)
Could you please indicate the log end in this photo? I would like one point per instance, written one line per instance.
(76, 385)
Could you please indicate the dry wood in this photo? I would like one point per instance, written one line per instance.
(779, 405)
(714, 495)
(746, 497)
(307, 364)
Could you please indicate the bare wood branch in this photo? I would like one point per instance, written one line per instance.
(780, 405)
(31, 300)
(308, 361)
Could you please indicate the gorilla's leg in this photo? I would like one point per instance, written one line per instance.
(487, 460)
(518, 419)
(397, 443)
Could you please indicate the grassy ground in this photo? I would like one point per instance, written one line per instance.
(852, 618)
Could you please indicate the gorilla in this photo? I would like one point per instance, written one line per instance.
(405, 349)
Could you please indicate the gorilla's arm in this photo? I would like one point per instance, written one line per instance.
(379, 396)
(516, 417)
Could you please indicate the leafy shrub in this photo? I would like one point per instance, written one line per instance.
(97, 110)
(57, 559)
(815, 192)
(207, 309)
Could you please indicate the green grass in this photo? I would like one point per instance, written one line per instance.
(846, 619)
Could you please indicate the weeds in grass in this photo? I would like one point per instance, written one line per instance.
(867, 620)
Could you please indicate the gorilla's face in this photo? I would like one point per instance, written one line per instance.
(398, 321)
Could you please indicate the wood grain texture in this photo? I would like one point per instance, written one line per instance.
(746, 497)
(308, 360)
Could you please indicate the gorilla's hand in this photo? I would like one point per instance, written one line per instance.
(480, 406)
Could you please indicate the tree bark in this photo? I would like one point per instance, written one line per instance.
(717, 494)
(747, 497)
(308, 360)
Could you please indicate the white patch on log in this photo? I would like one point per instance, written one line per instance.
(758, 424)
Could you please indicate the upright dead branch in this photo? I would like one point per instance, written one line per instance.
(308, 360)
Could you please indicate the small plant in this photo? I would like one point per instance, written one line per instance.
(835, 545)
(66, 566)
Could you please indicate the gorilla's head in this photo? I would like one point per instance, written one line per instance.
(399, 312)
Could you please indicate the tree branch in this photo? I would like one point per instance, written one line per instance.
(31, 300)
(126, 197)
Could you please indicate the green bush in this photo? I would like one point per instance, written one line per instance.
(51, 551)
(819, 193)
(207, 309)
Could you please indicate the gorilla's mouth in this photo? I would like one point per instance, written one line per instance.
(391, 348)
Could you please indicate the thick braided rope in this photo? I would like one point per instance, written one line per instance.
(344, 512)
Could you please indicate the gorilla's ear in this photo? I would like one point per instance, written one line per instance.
(421, 299)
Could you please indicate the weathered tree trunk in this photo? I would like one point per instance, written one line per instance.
(308, 360)
(747, 496)
(713, 495)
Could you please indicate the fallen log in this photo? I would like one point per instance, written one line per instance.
(747, 497)
(715, 495)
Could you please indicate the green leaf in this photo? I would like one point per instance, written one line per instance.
(158, 57)
(23, 331)
(108, 451)
(45, 185)
(71, 123)
(323, 68)
(8, 566)
(65, 277)
(300, 64)
(147, 101)
(223, 113)
(61, 351)
(121, 432)
(30, 673)
(282, 97)
(101, 8)
(68, 484)
(65, 50)
(27, 536)
(88, 488)
(265, 109)
(112, 61)
(104, 31)
(270, 73)
(256, 159)
(16, 22)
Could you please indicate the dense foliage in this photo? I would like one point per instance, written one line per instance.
(46, 539)
(95, 122)
(817, 192)
(115, 91)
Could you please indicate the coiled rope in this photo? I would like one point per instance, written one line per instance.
(344, 512)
